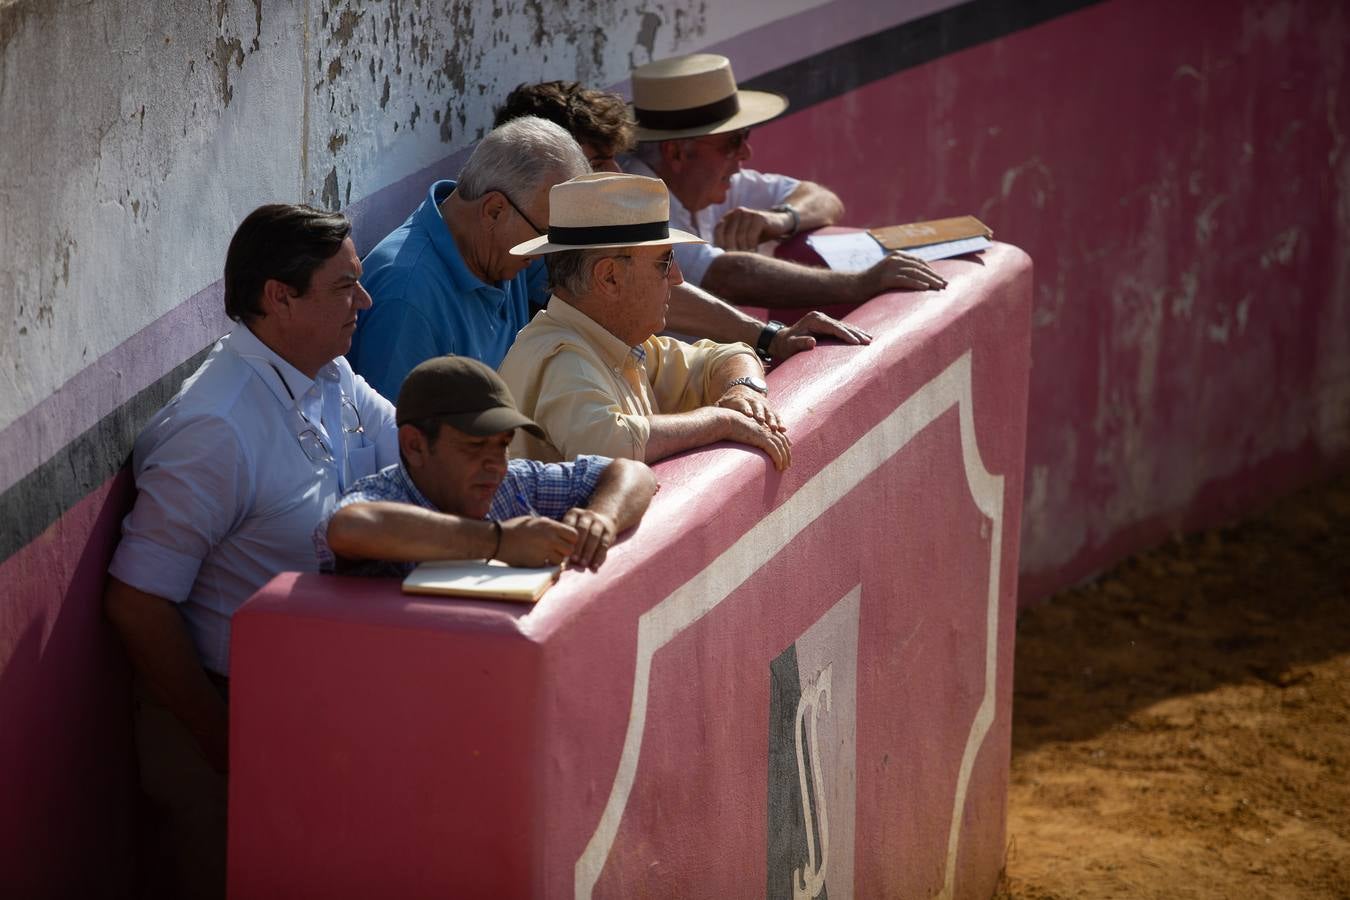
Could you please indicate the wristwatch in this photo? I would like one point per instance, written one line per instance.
(791, 211)
(753, 382)
(766, 337)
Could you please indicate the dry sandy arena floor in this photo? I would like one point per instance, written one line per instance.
(1182, 724)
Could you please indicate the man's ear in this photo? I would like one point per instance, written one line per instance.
(414, 445)
(673, 155)
(491, 208)
(606, 277)
(277, 297)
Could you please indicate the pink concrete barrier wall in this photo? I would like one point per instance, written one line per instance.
(67, 789)
(785, 678)
(1179, 174)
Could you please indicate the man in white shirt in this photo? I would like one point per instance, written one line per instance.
(232, 476)
(693, 132)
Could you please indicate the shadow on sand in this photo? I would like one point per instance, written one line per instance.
(1257, 600)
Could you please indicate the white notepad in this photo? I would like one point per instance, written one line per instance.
(482, 580)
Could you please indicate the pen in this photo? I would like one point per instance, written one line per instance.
(522, 502)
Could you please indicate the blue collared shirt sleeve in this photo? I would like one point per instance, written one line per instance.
(193, 487)
(547, 489)
(394, 338)
(536, 283)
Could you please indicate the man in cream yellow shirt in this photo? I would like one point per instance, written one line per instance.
(591, 371)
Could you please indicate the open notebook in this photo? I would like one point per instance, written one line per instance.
(481, 580)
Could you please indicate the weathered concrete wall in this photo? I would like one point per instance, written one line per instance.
(137, 135)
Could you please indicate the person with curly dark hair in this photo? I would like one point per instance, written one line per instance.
(600, 121)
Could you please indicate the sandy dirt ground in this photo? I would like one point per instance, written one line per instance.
(1182, 724)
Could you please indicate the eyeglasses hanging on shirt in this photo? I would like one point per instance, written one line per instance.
(311, 440)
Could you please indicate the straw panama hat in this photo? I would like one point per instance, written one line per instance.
(690, 96)
(602, 209)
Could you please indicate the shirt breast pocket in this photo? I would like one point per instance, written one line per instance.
(360, 463)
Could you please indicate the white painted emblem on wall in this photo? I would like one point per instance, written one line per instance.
(806, 884)
(719, 579)
(812, 758)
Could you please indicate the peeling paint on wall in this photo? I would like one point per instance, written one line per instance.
(173, 127)
(404, 76)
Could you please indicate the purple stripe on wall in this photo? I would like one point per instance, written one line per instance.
(106, 384)
(145, 357)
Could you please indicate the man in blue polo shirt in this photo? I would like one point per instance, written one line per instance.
(444, 282)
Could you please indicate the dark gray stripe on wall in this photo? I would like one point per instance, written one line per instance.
(845, 68)
(33, 503)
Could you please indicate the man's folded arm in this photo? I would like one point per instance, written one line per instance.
(686, 376)
(676, 432)
(696, 312)
(620, 498)
(808, 204)
(623, 492)
(723, 371)
(750, 278)
(402, 532)
(747, 278)
(693, 311)
(815, 204)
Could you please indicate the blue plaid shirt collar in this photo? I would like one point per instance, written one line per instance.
(409, 492)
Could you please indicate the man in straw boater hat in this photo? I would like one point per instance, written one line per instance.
(454, 494)
(589, 369)
(603, 125)
(693, 128)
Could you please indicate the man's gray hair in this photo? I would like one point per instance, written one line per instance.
(520, 157)
(570, 270)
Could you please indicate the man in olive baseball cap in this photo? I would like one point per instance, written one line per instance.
(463, 392)
(455, 494)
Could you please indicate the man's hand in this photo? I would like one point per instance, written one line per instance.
(773, 441)
(897, 272)
(800, 335)
(534, 541)
(596, 533)
(746, 229)
(751, 403)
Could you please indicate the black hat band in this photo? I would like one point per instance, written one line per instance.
(677, 119)
(609, 234)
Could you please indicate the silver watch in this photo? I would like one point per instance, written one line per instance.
(753, 382)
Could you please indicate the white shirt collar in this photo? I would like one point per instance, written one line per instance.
(269, 364)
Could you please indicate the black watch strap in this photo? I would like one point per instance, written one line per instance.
(766, 337)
